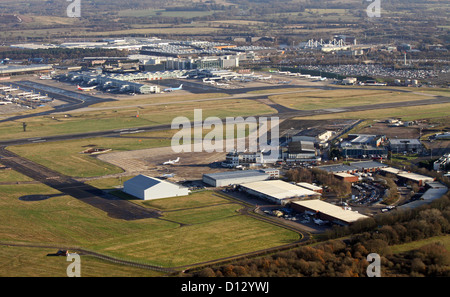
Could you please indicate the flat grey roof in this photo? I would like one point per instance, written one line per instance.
(20, 68)
(405, 141)
(337, 168)
(235, 174)
(353, 166)
(367, 164)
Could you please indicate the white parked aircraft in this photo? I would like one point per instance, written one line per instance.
(173, 89)
(171, 162)
(86, 88)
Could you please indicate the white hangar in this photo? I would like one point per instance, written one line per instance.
(149, 188)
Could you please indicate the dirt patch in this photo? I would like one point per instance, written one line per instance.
(391, 132)
(192, 165)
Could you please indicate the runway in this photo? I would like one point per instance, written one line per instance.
(115, 207)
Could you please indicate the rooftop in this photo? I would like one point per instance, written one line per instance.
(337, 168)
(352, 167)
(331, 210)
(235, 174)
(367, 165)
(405, 141)
(279, 189)
(309, 186)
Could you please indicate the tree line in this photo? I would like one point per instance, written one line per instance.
(336, 257)
(339, 187)
(58, 54)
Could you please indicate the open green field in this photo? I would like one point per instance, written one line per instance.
(122, 117)
(401, 248)
(200, 199)
(33, 262)
(66, 157)
(159, 99)
(409, 113)
(9, 176)
(343, 98)
(163, 12)
(108, 183)
(206, 229)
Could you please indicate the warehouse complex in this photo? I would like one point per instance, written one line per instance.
(435, 191)
(327, 212)
(353, 167)
(277, 191)
(408, 176)
(149, 188)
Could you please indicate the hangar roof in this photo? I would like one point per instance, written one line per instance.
(235, 174)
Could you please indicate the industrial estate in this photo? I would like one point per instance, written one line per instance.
(88, 165)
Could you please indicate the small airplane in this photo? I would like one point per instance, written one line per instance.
(86, 88)
(173, 89)
(266, 77)
(171, 162)
(45, 77)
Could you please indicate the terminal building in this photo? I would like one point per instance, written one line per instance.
(132, 82)
(7, 70)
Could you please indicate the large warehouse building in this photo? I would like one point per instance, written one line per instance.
(223, 179)
(277, 191)
(328, 212)
(149, 188)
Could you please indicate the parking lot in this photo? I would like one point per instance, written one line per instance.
(367, 193)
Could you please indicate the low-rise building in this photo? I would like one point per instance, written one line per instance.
(347, 177)
(327, 211)
(149, 188)
(442, 163)
(405, 145)
(310, 187)
(277, 191)
(314, 135)
(300, 151)
(405, 176)
(223, 179)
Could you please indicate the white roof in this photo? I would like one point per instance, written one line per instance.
(415, 176)
(309, 186)
(278, 189)
(331, 210)
(391, 170)
(344, 174)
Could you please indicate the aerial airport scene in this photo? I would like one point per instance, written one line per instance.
(232, 139)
